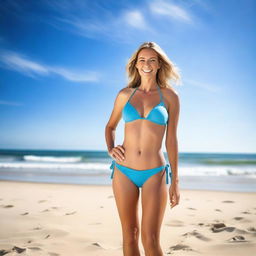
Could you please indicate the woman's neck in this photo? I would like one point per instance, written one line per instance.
(147, 85)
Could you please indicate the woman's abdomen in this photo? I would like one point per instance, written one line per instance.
(142, 147)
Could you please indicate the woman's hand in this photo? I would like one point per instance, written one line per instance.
(174, 194)
(117, 153)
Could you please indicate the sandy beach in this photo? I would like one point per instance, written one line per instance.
(58, 219)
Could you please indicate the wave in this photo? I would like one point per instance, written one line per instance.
(103, 168)
(229, 162)
(52, 159)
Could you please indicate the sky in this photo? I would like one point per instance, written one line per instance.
(62, 64)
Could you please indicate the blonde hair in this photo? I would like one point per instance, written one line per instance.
(168, 70)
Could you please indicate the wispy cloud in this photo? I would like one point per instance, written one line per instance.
(10, 103)
(22, 64)
(171, 10)
(204, 86)
(95, 20)
(135, 19)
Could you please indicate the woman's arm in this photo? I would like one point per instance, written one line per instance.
(171, 142)
(114, 119)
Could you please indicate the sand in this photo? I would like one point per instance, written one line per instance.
(57, 219)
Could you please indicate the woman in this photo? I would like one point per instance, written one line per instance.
(139, 162)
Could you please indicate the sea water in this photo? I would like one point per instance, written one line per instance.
(200, 171)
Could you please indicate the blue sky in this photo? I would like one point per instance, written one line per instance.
(63, 62)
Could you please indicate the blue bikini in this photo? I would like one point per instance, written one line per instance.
(158, 115)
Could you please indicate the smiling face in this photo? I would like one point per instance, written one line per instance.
(147, 63)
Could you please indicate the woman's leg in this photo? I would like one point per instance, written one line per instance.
(126, 195)
(153, 198)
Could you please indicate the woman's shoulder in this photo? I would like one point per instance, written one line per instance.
(170, 95)
(125, 92)
(170, 92)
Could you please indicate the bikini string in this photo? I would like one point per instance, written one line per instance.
(168, 173)
(112, 167)
(167, 167)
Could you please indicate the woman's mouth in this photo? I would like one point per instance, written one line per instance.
(147, 70)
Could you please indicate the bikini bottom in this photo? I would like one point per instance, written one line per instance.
(139, 177)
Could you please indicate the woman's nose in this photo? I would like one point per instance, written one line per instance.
(147, 64)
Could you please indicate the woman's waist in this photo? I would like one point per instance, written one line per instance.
(142, 159)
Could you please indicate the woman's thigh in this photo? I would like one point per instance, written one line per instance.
(153, 198)
(126, 197)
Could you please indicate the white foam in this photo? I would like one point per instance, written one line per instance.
(33, 158)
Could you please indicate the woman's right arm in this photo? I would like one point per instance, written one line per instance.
(110, 129)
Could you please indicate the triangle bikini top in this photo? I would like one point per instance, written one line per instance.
(158, 114)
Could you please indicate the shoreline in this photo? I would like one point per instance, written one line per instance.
(109, 185)
(43, 218)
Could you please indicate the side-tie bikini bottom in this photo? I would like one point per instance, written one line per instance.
(139, 177)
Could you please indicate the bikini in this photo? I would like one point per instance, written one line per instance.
(158, 115)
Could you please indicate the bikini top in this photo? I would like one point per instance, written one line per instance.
(158, 113)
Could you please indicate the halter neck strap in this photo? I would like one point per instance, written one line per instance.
(132, 93)
(161, 96)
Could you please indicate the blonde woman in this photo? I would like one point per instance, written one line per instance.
(149, 106)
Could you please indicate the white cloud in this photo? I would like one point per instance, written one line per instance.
(75, 76)
(32, 68)
(135, 19)
(10, 103)
(19, 63)
(205, 86)
(170, 10)
(95, 20)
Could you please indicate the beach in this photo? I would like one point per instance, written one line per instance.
(69, 219)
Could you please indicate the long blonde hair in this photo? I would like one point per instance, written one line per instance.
(168, 70)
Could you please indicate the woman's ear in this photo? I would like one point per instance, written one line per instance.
(160, 63)
(136, 64)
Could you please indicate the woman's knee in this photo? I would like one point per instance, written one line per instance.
(130, 235)
(150, 240)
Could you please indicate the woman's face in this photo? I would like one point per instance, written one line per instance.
(147, 63)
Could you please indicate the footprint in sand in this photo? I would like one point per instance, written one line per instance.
(47, 236)
(251, 229)
(237, 239)
(35, 248)
(175, 223)
(70, 213)
(42, 201)
(55, 207)
(244, 220)
(53, 254)
(18, 249)
(227, 201)
(245, 212)
(37, 228)
(3, 252)
(219, 227)
(46, 210)
(110, 196)
(95, 245)
(197, 235)
(8, 206)
(180, 247)
(191, 208)
(238, 218)
(218, 210)
(25, 213)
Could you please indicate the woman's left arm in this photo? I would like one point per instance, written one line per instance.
(171, 144)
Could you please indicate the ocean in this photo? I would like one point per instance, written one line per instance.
(199, 171)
